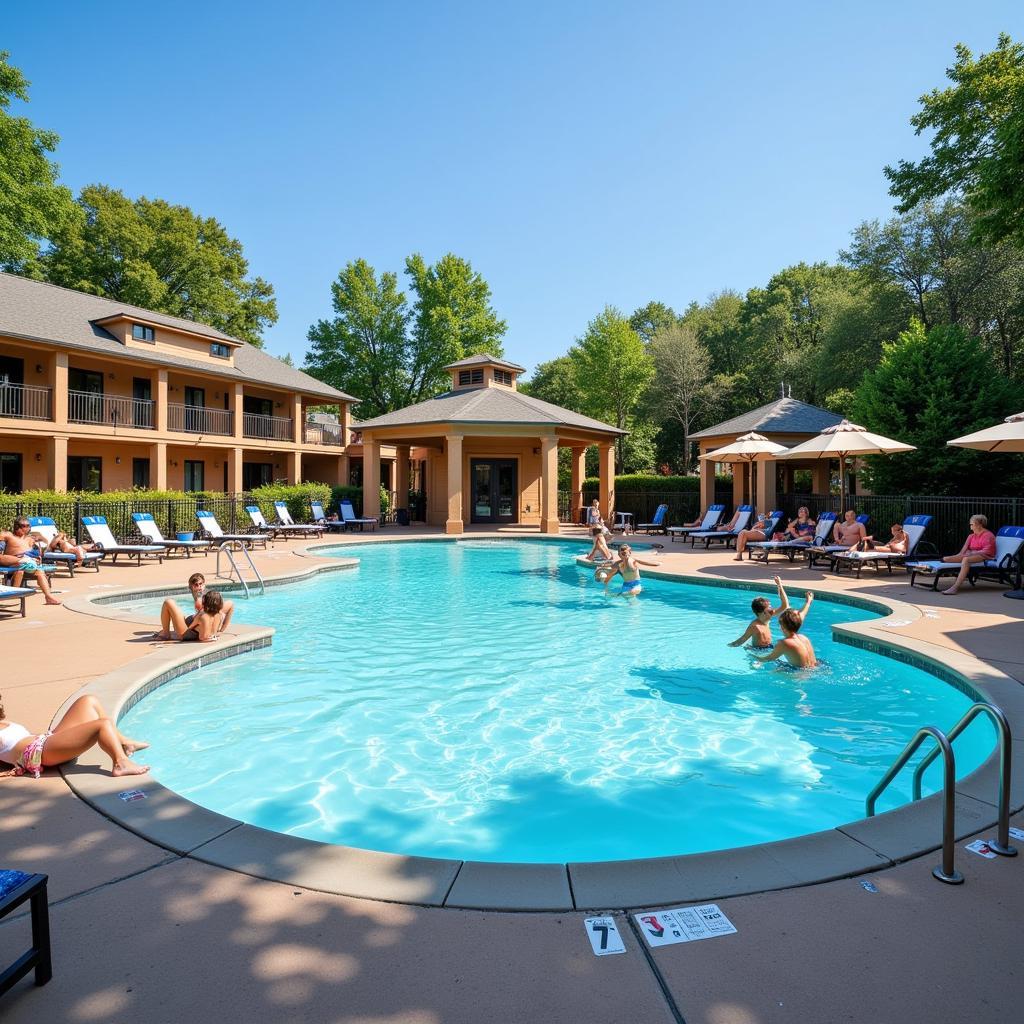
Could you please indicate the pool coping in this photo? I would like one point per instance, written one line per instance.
(173, 822)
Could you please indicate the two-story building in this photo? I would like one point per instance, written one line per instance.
(97, 395)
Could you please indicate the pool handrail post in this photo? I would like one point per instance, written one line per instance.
(946, 871)
(1002, 844)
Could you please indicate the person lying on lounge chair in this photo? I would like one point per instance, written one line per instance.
(85, 723)
(897, 544)
(204, 626)
(980, 546)
(20, 554)
(802, 528)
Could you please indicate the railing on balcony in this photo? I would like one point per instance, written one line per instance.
(87, 407)
(24, 401)
(197, 419)
(325, 433)
(267, 428)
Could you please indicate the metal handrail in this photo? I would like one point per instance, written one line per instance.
(1002, 844)
(946, 872)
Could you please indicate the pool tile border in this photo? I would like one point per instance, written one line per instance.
(169, 820)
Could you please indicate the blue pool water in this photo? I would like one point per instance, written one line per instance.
(487, 700)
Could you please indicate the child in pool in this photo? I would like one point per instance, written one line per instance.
(759, 632)
(797, 650)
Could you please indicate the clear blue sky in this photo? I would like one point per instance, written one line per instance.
(577, 153)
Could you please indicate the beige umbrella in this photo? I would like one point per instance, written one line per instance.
(1007, 436)
(841, 440)
(749, 448)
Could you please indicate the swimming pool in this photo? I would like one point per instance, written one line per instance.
(486, 700)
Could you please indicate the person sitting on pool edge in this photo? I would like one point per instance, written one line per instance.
(760, 630)
(796, 649)
(204, 626)
(628, 568)
(197, 587)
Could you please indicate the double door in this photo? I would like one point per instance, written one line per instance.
(495, 494)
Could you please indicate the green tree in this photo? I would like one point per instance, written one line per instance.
(650, 319)
(555, 382)
(977, 146)
(452, 318)
(32, 205)
(150, 253)
(613, 371)
(931, 386)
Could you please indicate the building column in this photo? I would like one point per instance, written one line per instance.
(606, 475)
(767, 493)
(298, 420)
(235, 471)
(371, 477)
(60, 396)
(402, 476)
(707, 484)
(343, 470)
(295, 467)
(549, 485)
(821, 477)
(57, 456)
(453, 524)
(237, 413)
(161, 415)
(579, 474)
(158, 463)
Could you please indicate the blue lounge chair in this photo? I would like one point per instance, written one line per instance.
(320, 517)
(822, 552)
(657, 523)
(210, 526)
(99, 534)
(16, 594)
(1009, 541)
(46, 527)
(822, 528)
(913, 526)
(284, 519)
(711, 519)
(349, 517)
(726, 537)
(146, 525)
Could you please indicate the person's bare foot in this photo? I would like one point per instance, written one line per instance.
(129, 768)
(53, 600)
(133, 746)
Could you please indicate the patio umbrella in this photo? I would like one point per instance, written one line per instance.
(749, 448)
(1007, 436)
(839, 441)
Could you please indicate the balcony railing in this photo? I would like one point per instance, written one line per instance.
(325, 433)
(87, 407)
(267, 428)
(197, 419)
(24, 401)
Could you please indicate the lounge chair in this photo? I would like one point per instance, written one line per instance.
(46, 527)
(823, 552)
(657, 523)
(727, 537)
(1002, 568)
(99, 533)
(320, 517)
(284, 518)
(771, 524)
(349, 517)
(913, 527)
(16, 594)
(822, 528)
(711, 519)
(146, 525)
(217, 537)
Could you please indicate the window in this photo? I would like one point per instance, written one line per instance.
(85, 473)
(220, 351)
(140, 473)
(503, 377)
(471, 377)
(140, 332)
(194, 475)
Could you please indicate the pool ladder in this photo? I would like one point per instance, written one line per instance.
(946, 872)
(228, 548)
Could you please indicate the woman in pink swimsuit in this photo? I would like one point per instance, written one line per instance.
(980, 546)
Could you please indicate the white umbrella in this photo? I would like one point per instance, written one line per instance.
(1007, 436)
(841, 440)
(749, 448)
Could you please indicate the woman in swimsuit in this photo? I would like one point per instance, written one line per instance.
(204, 626)
(84, 724)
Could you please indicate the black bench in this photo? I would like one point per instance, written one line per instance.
(15, 888)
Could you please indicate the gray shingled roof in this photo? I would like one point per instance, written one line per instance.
(483, 359)
(486, 405)
(783, 416)
(46, 312)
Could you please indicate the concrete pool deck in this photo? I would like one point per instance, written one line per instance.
(829, 951)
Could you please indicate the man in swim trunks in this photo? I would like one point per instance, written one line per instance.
(628, 567)
(759, 632)
(18, 554)
(797, 650)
